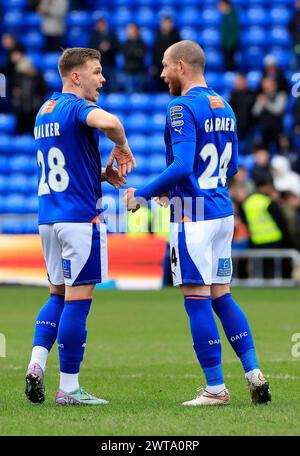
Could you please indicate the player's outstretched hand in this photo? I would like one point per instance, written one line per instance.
(163, 200)
(125, 159)
(129, 200)
(112, 174)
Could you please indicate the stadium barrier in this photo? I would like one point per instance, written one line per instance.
(266, 267)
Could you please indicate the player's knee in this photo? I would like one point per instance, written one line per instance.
(57, 289)
(80, 292)
(218, 290)
(189, 289)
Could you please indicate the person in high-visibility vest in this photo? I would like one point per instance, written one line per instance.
(268, 228)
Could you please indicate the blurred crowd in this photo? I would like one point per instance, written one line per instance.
(270, 158)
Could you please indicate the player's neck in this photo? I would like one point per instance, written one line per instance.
(199, 82)
(69, 88)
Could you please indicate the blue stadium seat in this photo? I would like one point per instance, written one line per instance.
(23, 163)
(5, 143)
(32, 183)
(228, 80)
(105, 145)
(33, 41)
(189, 17)
(210, 37)
(254, 36)
(50, 60)
(117, 101)
(3, 165)
(53, 79)
(23, 144)
(155, 144)
(32, 20)
(252, 58)
(78, 37)
(283, 57)
(37, 60)
(7, 123)
(79, 19)
(288, 122)
(15, 204)
(17, 183)
(160, 102)
(157, 122)
(141, 161)
(13, 20)
(148, 36)
(145, 17)
(254, 78)
(213, 80)
(189, 33)
(279, 36)
(139, 102)
(137, 122)
(31, 204)
(280, 15)
(3, 181)
(138, 143)
(136, 180)
(210, 17)
(101, 14)
(214, 59)
(256, 16)
(14, 4)
(122, 16)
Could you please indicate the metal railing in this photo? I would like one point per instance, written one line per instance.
(266, 267)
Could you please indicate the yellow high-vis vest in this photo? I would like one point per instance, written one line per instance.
(262, 227)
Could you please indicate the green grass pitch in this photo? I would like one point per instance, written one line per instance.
(139, 356)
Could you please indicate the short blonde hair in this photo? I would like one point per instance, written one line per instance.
(73, 57)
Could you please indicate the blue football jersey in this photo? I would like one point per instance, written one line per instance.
(68, 158)
(203, 116)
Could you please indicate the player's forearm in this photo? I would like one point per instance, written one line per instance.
(180, 169)
(116, 134)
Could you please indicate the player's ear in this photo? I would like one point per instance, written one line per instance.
(75, 78)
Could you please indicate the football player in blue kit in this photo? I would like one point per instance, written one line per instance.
(70, 224)
(201, 153)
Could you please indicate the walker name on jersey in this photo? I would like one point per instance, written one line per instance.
(47, 130)
(219, 124)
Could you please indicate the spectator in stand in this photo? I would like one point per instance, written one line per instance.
(268, 228)
(133, 50)
(53, 22)
(229, 33)
(295, 32)
(33, 5)
(242, 100)
(29, 90)
(291, 209)
(14, 51)
(261, 170)
(105, 40)
(268, 109)
(286, 149)
(272, 70)
(165, 37)
(284, 178)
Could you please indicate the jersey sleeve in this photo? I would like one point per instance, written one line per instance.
(181, 122)
(84, 107)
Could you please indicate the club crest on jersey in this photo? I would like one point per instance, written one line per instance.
(176, 116)
(224, 267)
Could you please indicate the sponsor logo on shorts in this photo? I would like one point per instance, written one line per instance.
(224, 267)
(66, 265)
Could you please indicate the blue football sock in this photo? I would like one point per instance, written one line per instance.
(237, 330)
(71, 335)
(47, 322)
(205, 334)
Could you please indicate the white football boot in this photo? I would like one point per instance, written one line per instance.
(205, 398)
(259, 389)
